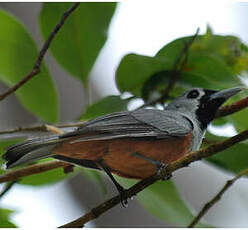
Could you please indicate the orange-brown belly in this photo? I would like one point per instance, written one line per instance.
(118, 154)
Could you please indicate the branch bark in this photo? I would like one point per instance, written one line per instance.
(183, 162)
(7, 188)
(216, 198)
(39, 128)
(37, 67)
(232, 108)
(31, 170)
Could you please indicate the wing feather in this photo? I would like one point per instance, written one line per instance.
(136, 124)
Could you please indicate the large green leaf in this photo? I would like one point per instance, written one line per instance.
(106, 105)
(134, 70)
(18, 53)
(208, 72)
(4, 219)
(155, 86)
(239, 119)
(163, 201)
(233, 159)
(45, 178)
(83, 35)
(228, 49)
(204, 71)
(212, 61)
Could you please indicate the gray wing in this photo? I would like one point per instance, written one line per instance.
(140, 123)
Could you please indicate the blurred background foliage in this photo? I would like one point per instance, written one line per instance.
(212, 61)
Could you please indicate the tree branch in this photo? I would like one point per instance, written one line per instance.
(183, 162)
(232, 108)
(216, 198)
(32, 169)
(39, 128)
(37, 67)
(7, 188)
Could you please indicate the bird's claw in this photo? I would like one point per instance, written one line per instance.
(123, 197)
(161, 172)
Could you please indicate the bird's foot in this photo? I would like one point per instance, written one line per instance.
(161, 171)
(123, 195)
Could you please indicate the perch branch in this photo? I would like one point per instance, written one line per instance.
(37, 67)
(183, 162)
(216, 198)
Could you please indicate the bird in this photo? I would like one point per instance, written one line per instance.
(132, 144)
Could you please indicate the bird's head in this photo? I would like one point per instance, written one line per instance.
(202, 103)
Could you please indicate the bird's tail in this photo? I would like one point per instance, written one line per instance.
(31, 150)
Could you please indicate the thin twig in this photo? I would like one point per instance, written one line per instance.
(54, 129)
(39, 128)
(232, 108)
(37, 67)
(31, 170)
(216, 198)
(183, 162)
(176, 71)
(7, 188)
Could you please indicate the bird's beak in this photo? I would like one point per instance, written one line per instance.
(226, 93)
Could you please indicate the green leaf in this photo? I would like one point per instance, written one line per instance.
(204, 71)
(155, 86)
(83, 35)
(163, 201)
(106, 105)
(134, 70)
(238, 119)
(228, 49)
(207, 71)
(233, 159)
(4, 219)
(213, 61)
(46, 178)
(18, 53)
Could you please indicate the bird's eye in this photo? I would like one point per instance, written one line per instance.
(193, 94)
